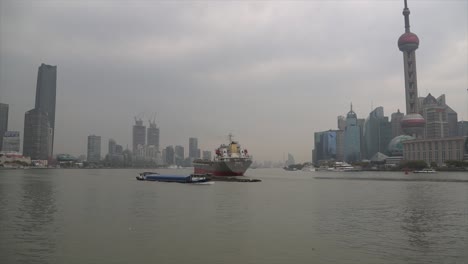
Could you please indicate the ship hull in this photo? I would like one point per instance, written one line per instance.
(232, 167)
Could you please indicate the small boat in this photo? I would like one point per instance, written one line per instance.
(192, 178)
(425, 171)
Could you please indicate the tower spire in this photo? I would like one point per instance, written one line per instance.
(406, 13)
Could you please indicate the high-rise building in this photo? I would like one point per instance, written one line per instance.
(341, 122)
(352, 138)
(94, 148)
(377, 132)
(139, 135)
(413, 123)
(441, 120)
(207, 155)
(37, 135)
(193, 148)
(170, 155)
(3, 121)
(153, 135)
(396, 123)
(111, 147)
(463, 128)
(325, 143)
(179, 155)
(45, 95)
(11, 141)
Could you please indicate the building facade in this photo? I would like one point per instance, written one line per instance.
(435, 150)
(396, 123)
(3, 121)
(11, 141)
(46, 96)
(193, 148)
(179, 155)
(206, 155)
(352, 138)
(138, 135)
(37, 135)
(377, 133)
(153, 135)
(94, 148)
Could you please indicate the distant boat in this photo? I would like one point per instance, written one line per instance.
(192, 178)
(425, 171)
(339, 166)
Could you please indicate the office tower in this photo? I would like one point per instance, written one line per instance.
(435, 113)
(11, 141)
(170, 155)
(377, 132)
(153, 135)
(3, 121)
(352, 138)
(139, 135)
(412, 123)
(94, 148)
(37, 135)
(207, 155)
(111, 147)
(179, 155)
(193, 148)
(45, 96)
(396, 123)
(325, 143)
(341, 122)
(463, 128)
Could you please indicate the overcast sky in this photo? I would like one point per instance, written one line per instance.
(271, 73)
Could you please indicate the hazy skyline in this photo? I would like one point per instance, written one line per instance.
(271, 73)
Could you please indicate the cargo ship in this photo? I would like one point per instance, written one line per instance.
(229, 160)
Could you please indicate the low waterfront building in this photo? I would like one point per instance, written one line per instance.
(434, 150)
(11, 141)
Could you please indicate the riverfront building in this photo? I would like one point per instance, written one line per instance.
(193, 148)
(352, 138)
(377, 132)
(139, 137)
(153, 135)
(11, 141)
(37, 135)
(3, 121)
(179, 155)
(396, 123)
(46, 95)
(94, 148)
(435, 150)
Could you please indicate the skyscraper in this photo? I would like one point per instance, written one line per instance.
(94, 148)
(111, 146)
(3, 121)
(413, 123)
(352, 138)
(39, 123)
(139, 134)
(377, 132)
(45, 95)
(193, 148)
(179, 155)
(170, 155)
(153, 135)
(37, 135)
(396, 123)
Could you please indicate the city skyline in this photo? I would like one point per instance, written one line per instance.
(280, 62)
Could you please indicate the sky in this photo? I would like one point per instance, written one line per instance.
(270, 72)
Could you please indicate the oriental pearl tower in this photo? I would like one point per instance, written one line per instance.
(412, 123)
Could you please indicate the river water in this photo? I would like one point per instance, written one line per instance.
(106, 216)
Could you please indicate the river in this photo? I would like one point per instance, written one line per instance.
(106, 216)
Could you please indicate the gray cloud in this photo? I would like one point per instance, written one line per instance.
(270, 72)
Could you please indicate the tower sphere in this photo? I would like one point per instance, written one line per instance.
(408, 42)
(413, 124)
